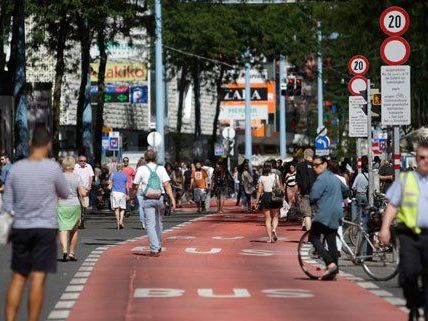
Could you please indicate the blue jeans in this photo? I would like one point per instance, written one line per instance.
(153, 213)
(140, 200)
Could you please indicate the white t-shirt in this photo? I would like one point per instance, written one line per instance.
(209, 170)
(269, 182)
(85, 173)
(143, 174)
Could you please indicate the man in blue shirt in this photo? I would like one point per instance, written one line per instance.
(328, 192)
(408, 200)
(119, 192)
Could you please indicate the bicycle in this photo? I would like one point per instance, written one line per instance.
(380, 265)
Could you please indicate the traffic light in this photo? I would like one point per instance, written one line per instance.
(298, 90)
(290, 87)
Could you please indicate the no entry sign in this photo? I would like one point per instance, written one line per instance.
(394, 21)
(358, 65)
(395, 51)
(356, 85)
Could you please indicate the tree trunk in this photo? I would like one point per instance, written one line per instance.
(219, 86)
(99, 120)
(197, 92)
(11, 65)
(85, 43)
(59, 77)
(4, 21)
(181, 88)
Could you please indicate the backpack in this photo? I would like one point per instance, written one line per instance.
(153, 189)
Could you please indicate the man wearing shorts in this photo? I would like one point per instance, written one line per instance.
(200, 184)
(305, 178)
(32, 189)
(86, 174)
(119, 194)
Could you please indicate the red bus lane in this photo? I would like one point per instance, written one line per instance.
(220, 268)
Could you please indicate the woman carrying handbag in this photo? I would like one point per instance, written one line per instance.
(271, 195)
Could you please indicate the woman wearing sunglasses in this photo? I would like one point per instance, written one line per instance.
(328, 193)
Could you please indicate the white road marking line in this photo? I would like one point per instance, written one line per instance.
(74, 288)
(89, 263)
(78, 281)
(90, 259)
(64, 304)
(102, 248)
(367, 285)
(59, 314)
(396, 301)
(70, 296)
(85, 268)
(381, 293)
(82, 274)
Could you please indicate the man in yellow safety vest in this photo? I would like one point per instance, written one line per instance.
(408, 203)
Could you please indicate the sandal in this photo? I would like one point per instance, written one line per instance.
(72, 257)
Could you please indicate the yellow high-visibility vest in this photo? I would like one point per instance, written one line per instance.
(408, 211)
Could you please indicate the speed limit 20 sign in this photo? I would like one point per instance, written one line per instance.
(358, 65)
(394, 21)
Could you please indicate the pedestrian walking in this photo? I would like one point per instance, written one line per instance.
(200, 185)
(386, 175)
(210, 171)
(408, 203)
(152, 182)
(177, 185)
(69, 211)
(247, 185)
(119, 194)
(130, 174)
(269, 181)
(290, 184)
(5, 168)
(32, 188)
(305, 178)
(86, 174)
(139, 196)
(221, 181)
(328, 192)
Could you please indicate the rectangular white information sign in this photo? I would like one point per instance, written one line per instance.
(238, 112)
(395, 89)
(357, 117)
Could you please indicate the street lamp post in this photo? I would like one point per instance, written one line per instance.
(320, 81)
(248, 138)
(282, 111)
(160, 90)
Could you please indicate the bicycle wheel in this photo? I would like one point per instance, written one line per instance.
(353, 235)
(382, 265)
(310, 262)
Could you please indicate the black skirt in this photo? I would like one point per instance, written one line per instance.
(267, 203)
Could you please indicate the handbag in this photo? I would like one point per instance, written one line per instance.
(6, 221)
(277, 192)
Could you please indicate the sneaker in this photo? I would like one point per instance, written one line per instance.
(274, 236)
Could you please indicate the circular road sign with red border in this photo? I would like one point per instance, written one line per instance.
(395, 51)
(358, 65)
(394, 21)
(356, 85)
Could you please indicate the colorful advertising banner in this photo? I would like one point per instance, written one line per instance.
(121, 72)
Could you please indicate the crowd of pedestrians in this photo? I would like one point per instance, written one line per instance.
(45, 196)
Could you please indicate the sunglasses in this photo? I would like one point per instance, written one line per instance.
(82, 160)
(420, 157)
(317, 164)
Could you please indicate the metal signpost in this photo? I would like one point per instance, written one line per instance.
(395, 78)
(160, 90)
(248, 137)
(358, 113)
(282, 111)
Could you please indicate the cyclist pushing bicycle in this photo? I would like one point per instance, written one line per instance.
(328, 192)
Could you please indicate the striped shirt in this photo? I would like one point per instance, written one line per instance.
(290, 180)
(31, 193)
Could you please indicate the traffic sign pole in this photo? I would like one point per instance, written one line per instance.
(369, 144)
(396, 157)
(282, 112)
(320, 81)
(248, 138)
